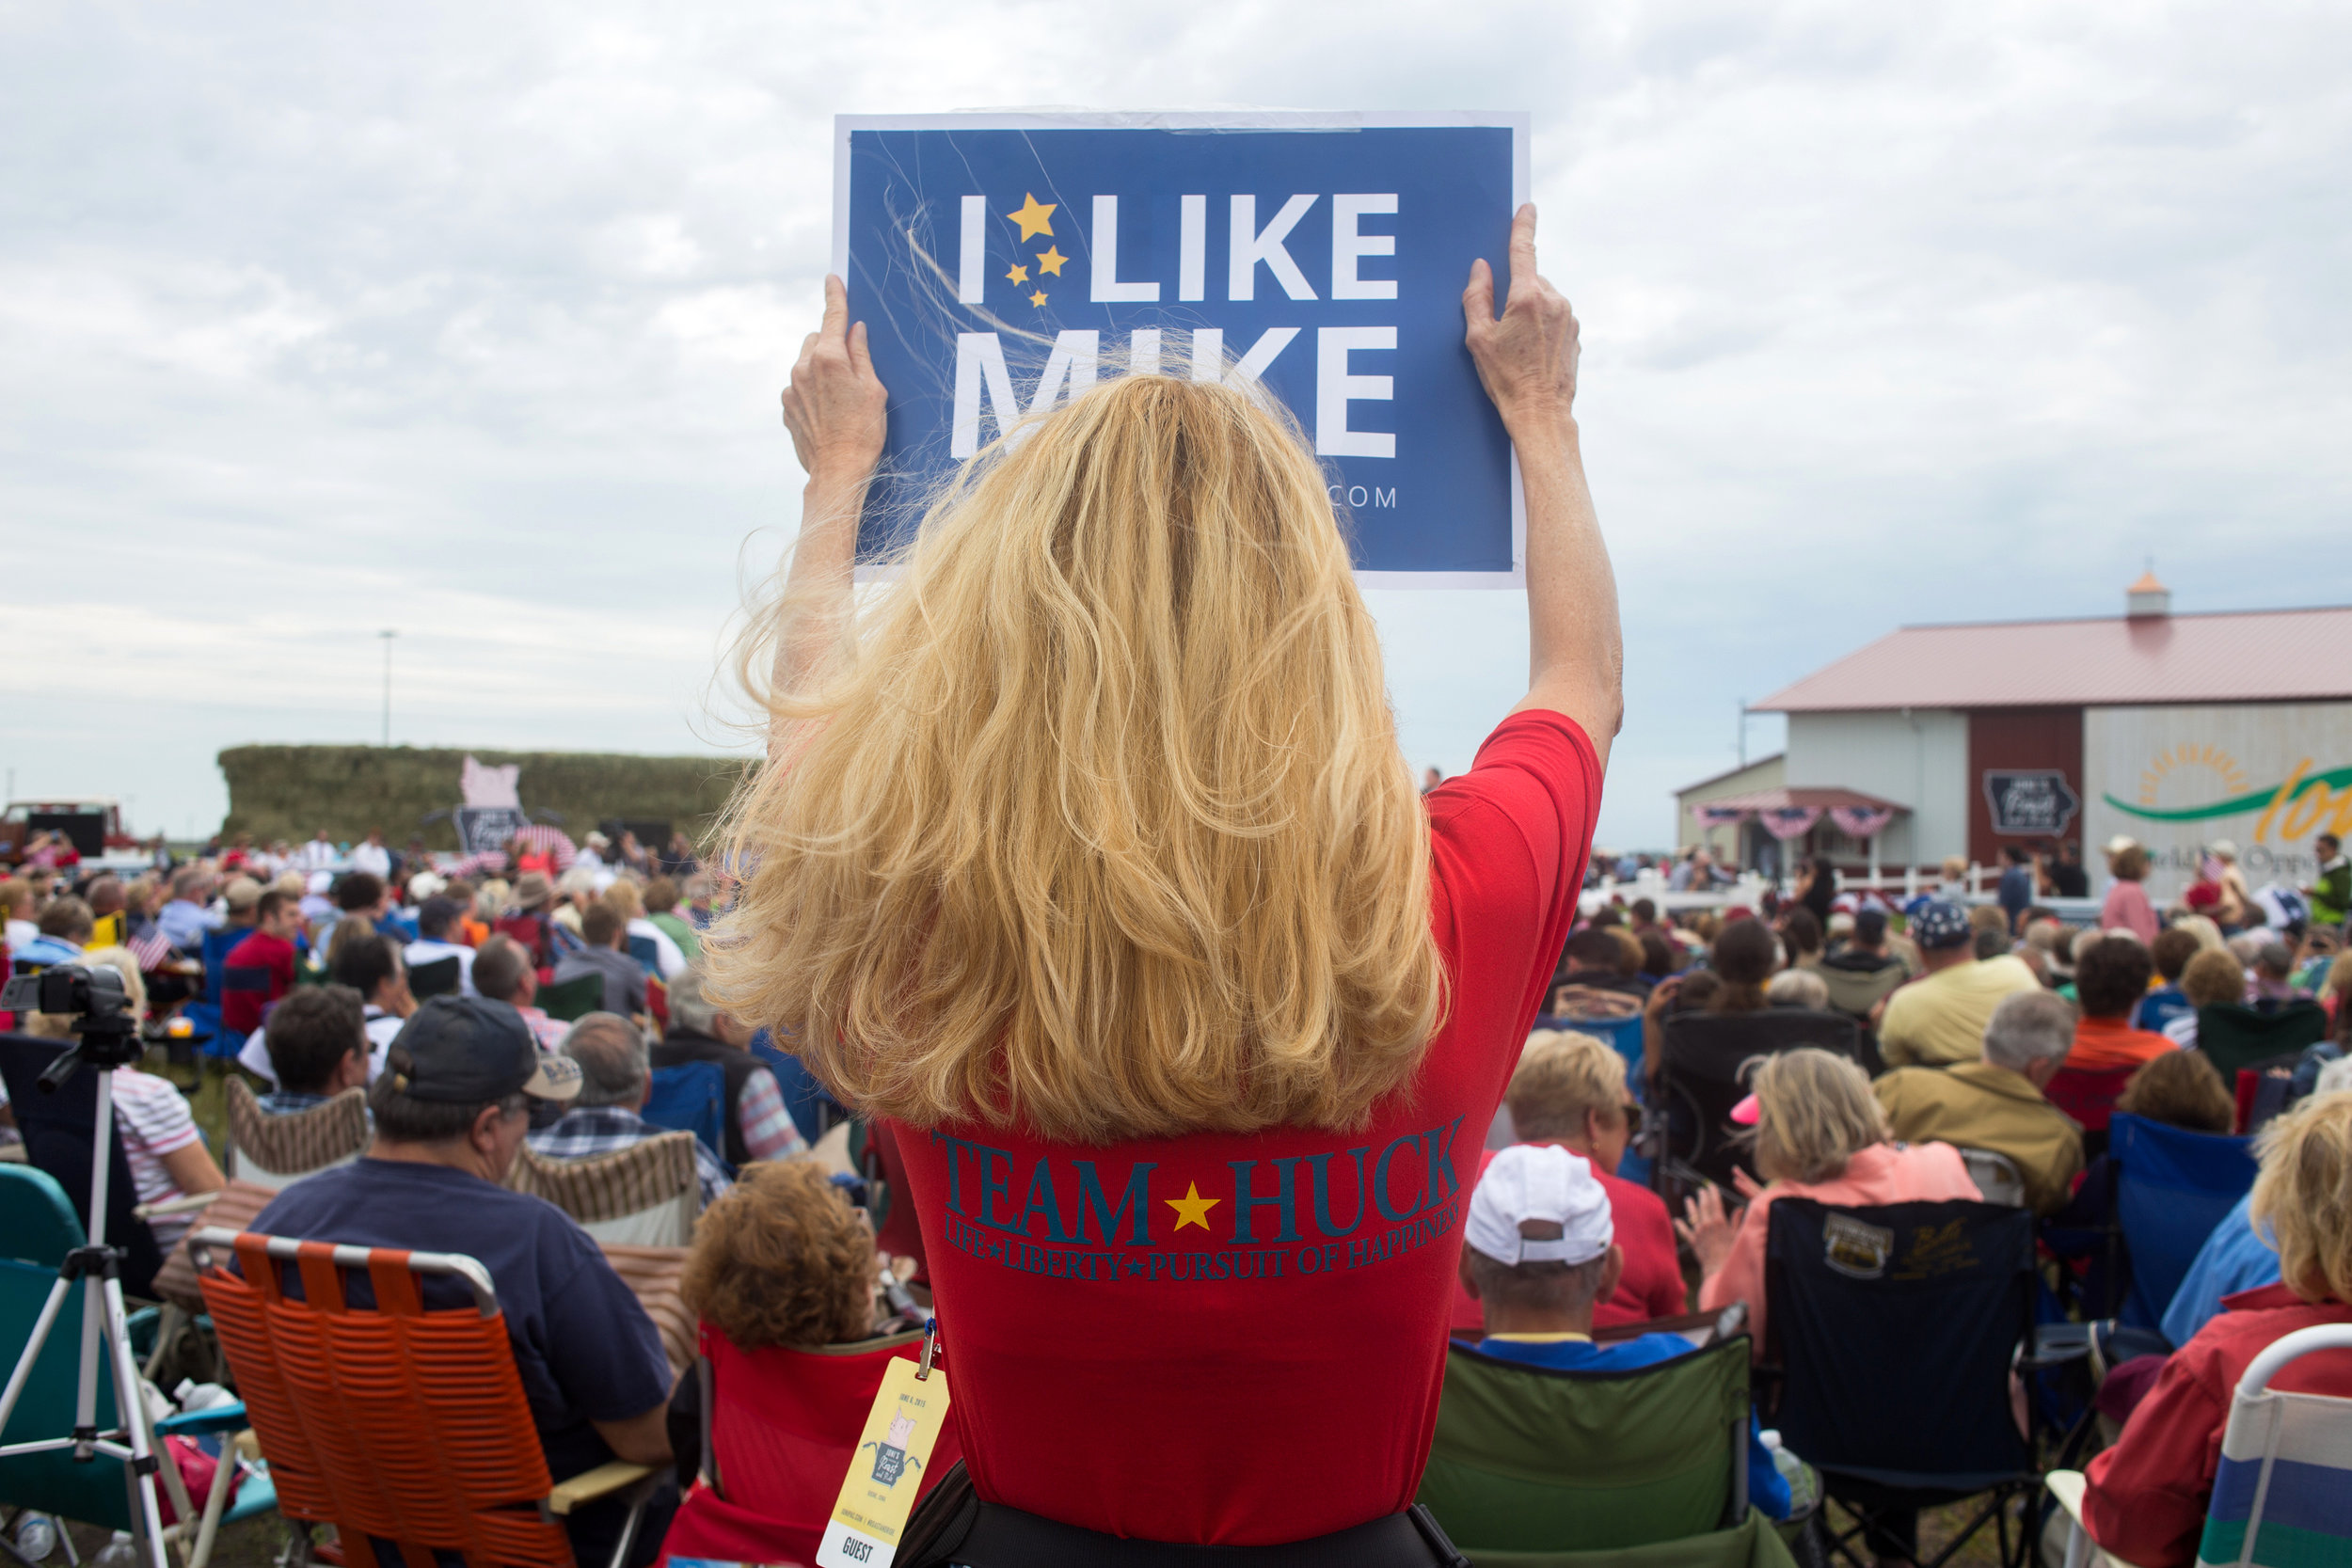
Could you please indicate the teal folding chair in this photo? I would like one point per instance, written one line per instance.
(41, 1229)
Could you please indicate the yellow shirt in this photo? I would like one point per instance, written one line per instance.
(1940, 1018)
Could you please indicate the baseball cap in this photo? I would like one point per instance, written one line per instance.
(1941, 924)
(1539, 1182)
(242, 892)
(468, 1051)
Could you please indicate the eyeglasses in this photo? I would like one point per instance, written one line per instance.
(1632, 1114)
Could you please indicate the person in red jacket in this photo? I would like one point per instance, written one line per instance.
(277, 919)
(1568, 1090)
(2147, 1495)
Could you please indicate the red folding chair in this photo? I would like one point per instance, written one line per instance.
(779, 1428)
(395, 1423)
(529, 933)
(2088, 1096)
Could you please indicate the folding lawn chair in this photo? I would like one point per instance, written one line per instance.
(779, 1427)
(1528, 1459)
(1893, 1329)
(2172, 1187)
(1699, 1080)
(396, 1422)
(1996, 1177)
(277, 1151)
(814, 1112)
(58, 1129)
(569, 1001)
(1623, 1035)
(2090, 1097)
(648, 953)
(692, 1096)
(531, 932)
(441, 977)
(41, 1229)
(645, 1195)
(2282, 1496)
(2233, 1037)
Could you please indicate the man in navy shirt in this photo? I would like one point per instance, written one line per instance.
(449, 1110)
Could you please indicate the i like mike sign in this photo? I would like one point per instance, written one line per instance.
(1004, 262)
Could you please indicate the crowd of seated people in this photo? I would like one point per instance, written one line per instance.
(1974, 1012)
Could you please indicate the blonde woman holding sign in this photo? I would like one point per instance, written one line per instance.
(1088, 862)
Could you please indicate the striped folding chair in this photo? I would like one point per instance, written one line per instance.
(2282, 1496)
(395, 1421)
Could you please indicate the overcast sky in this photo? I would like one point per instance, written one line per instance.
(468, 320)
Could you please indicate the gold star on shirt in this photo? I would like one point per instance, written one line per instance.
(1036, 218)
(1037, 299)
(1018, 275)
(1192, 1209)
(1050, 260)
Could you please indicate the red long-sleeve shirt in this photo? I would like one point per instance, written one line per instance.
(2146, 1501)
(241, 1010)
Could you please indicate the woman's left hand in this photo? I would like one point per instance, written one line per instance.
(1708, 1229)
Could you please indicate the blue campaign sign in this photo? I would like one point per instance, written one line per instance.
(1002, 263)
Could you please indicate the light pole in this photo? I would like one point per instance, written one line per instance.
(387, 634)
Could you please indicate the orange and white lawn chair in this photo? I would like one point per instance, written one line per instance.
(393, 1422)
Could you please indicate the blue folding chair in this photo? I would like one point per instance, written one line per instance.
(692, 1098)
(812, 1110)
(1624, 1036)
(647, 952)
(2171, 1188)
(226, 1042)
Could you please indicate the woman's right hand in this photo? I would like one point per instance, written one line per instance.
(1708, 1229)
(836, 407)
(1527, 359)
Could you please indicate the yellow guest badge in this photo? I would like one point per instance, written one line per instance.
(893, 1459)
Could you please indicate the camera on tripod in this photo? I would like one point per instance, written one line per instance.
(68, 989)
(94, 998)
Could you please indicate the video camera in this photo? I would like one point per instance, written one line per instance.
(95, 997)
(69, 988)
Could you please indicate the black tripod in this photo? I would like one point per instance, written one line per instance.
(108, 1038)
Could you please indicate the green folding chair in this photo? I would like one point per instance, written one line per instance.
(1754, 1544)
(42, 1227)
(2234, 1036)
(569, 1001)
(1536, 1466)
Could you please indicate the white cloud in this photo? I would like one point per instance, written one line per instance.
(471, 322)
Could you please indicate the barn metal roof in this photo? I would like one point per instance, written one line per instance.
(2235, 657)
(1830, 797)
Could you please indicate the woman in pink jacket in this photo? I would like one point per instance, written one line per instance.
(1819, 1133)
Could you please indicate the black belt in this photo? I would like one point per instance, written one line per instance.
(954, 1527)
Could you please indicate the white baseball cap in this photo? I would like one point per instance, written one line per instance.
(1539, 1182)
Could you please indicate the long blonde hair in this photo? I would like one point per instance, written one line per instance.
(1102, 829)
